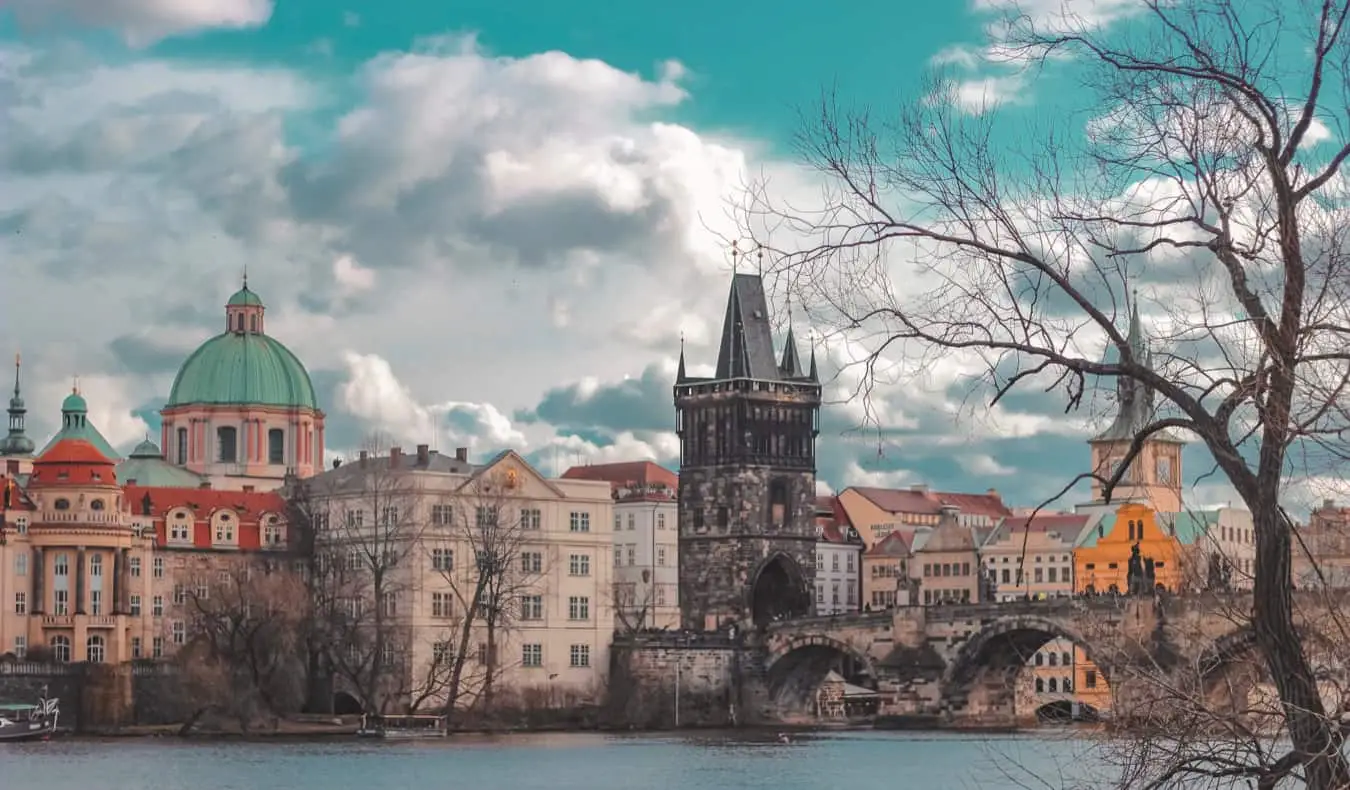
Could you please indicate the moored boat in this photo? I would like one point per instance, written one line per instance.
(28, 721)
(410, 726)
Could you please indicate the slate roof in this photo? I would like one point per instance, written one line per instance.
(146, 467)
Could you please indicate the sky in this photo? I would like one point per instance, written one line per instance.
(479, 224)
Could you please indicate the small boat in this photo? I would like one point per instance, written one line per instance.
(402, 727)
(27, 722)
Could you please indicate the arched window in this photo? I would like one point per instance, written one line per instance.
(253, 323)
(276, 446)
(95, 651)
(1054, 685)
(61, 504)
(1040, 686)
(239, 324)
(96, 504)
(1054, 660)
(61, 649)
(96, 565)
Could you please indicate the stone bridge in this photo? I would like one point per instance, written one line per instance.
(956, 665)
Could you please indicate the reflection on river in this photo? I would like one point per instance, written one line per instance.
(703, 761)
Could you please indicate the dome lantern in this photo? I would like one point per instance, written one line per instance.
(244, 311)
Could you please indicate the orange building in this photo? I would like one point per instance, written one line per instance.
(1102, 555)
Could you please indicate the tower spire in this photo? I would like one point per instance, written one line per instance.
(17, 442)
(679, 371)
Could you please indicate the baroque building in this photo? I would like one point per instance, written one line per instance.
(747, 496)
(242, 410)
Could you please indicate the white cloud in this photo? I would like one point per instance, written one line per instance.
(980, 95)
(351, 276)
(856, 475)
(143, 22)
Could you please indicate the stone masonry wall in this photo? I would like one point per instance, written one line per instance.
(718, 564)
(97, 696)
(701, 676)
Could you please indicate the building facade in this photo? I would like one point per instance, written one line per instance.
(747, 474)
(885, 573)
(1325, 562)
(839, 551)
(646, 542)
(242, 410)
(1033, 557)
(492, 567)
(947, 564)
(876, 512)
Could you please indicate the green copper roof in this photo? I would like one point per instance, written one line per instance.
(147, 467)
(238, 368)
(244, 297)
(75, 425)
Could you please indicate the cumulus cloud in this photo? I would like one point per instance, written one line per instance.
(143, 22)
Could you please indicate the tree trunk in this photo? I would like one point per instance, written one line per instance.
(1316, 740)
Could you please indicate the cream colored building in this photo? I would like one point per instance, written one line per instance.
(876, 512)
(1033, 558)
(430, 522)
(947, 564)
(646, 542)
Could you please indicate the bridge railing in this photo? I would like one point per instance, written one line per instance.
(835, 620)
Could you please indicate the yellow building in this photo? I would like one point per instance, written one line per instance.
(1102, 554)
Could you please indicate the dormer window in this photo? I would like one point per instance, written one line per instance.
(223, 528)
(180, 527)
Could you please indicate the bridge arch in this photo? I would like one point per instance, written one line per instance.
(778, 590)
(1234, 677)
(794, 671)
(979, 682)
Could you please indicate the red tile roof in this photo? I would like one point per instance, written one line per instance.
(903, 500)
(630, 480)
(206, 500)
(895, 544)
(73, 462)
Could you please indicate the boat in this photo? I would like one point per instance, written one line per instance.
(403, 727)
(28, 722)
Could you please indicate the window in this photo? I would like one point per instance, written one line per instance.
(442, 515)
(157, 568)
(632, 554)
(61, 648)
(276, 446)
(442, 559)
(20, 603)
(532, 607)
(389, 516)
(632, 521)
(1090, 679)
(95, 602)
(135, 606)
(442, 605)
(179, 632)
(660, 555)
(356, 518)
(134, 567)
(94, 649)
(21, 564)
(96, 504)
(618, 556)
(157, 606)
(532, 655)
(1040, 685)
(820, 593)
(182, 446)
(391, 604)
(224, 528)
(578, 608)
(660, 520)
(20, 647)
(852, 595)
(61, 504)
(581, 656)
(1054, 685)
(485, 516)
(96, 565)
(579, 522)
(531, 562)
(61, 565)
(441, 653)
(531, 518)
(834, 593)
(227, 445)
(834, 562)
(579, 565)
(849, 565)
(157, 647)
(62, 602)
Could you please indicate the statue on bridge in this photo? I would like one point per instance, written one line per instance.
(1139, 576)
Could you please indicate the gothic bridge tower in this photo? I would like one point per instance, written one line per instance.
(747, 474)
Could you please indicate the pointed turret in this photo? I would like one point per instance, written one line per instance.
(791, 366)
(679, 371)
(17, 442)
(813, 374)
(746, 350)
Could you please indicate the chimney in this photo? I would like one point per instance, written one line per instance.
(423, 454)
(462, 454)
(948, 514)
(364, 456)
(993, 494)
(395, 456)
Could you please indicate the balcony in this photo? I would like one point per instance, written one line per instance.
(58, 620)
(104, 518)
(101, 621)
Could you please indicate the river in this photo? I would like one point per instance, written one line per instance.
(704, 761)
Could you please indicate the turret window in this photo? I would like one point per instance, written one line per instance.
(276, 446)
(227, 444)
(182, 446)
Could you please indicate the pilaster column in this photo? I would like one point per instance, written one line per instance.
(79, 580)
(124, 581)
(117, 582)
(39, 571)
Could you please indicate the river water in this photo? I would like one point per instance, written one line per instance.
(705, 761)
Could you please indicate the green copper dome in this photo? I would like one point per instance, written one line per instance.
(74, 402)
(244, 298)
(243, 368)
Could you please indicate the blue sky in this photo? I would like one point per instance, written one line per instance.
(488, 244)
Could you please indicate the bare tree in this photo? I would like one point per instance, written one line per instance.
(243, 628)
(480, 548)
(635, 604)
(1208, 182)
(368, 532)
